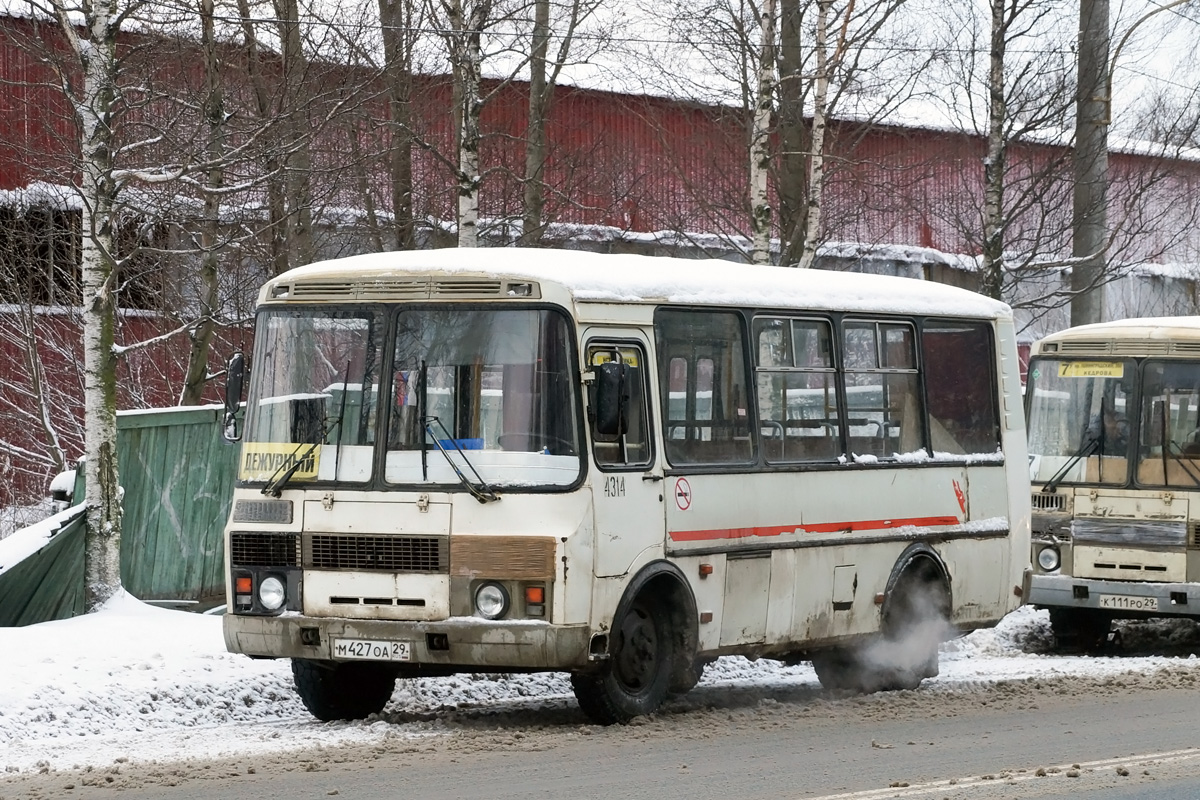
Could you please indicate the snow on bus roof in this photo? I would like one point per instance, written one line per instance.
(601, 277)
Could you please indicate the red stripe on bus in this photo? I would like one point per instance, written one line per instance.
(823, 527)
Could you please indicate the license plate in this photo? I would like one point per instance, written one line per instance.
(371, 650)
(1123, 602)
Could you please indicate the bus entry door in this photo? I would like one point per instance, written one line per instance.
(626, 478)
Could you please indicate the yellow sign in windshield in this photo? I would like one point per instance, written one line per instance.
(263, 460)
(1091, 369)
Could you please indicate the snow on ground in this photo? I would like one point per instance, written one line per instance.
(139, 683)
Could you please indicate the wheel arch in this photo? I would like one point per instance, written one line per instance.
(922, 563)
(665, 583)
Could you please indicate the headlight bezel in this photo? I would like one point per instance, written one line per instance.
(1049, 558)
(272, 592)
(496, 597)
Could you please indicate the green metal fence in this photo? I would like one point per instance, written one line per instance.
(178, 475)
(49, 583)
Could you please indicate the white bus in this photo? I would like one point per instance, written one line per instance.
(619, 467)
(1114, 448)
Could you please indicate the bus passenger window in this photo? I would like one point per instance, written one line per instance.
(883, 405)
(797, 397)
(704, 392)
(631, 448)
(959, 387)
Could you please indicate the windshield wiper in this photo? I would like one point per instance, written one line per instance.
(483, 492)
(422, 409)
(1086, 449)
(277, 481)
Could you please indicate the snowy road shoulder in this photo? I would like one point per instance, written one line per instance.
(87, 691)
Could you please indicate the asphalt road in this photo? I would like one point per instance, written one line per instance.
(1112, 739)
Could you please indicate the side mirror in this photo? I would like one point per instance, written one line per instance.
(612, 399)
(235, 375)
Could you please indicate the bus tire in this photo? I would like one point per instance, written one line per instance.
(1079, 628)
(343, 691)
(905, 653)
(635, 678)
(838, 670)
(916, 621)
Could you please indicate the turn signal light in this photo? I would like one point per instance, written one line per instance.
(535, 594)
(243, 585)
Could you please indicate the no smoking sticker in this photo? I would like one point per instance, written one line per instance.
(683, 494)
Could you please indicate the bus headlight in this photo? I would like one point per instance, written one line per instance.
(491, 600)
(1048, 558)
(271, 593)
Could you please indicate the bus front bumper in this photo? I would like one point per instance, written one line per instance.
(1114, 597)
(460, 642)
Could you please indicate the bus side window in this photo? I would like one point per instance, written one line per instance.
(630, 448)
(704, 393)
(959, 387)
(883, 407)
(798, 413)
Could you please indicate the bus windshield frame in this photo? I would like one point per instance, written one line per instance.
(415, 396)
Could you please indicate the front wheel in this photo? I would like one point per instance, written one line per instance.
(635, 679)
(336, 691)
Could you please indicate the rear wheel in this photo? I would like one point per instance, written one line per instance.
(635, 679)
(839, 670)
(915, 623)
(906, 651)
(336, 691)
(1079, 628)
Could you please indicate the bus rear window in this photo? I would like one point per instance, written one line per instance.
(960, 387)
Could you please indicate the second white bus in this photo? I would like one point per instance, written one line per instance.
(1114, 441)
(620, 467)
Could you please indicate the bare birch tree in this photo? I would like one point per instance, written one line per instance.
(760, 139)
(95, 57)
(826, 62)
(466, 23)
(870, 71)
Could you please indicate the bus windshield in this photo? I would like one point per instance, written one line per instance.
(313, 397)
(1078, 428)
(488, 394)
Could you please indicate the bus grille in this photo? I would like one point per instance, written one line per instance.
(378, 553)
(1041, 501)
(1193, 540)
(264, 549)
